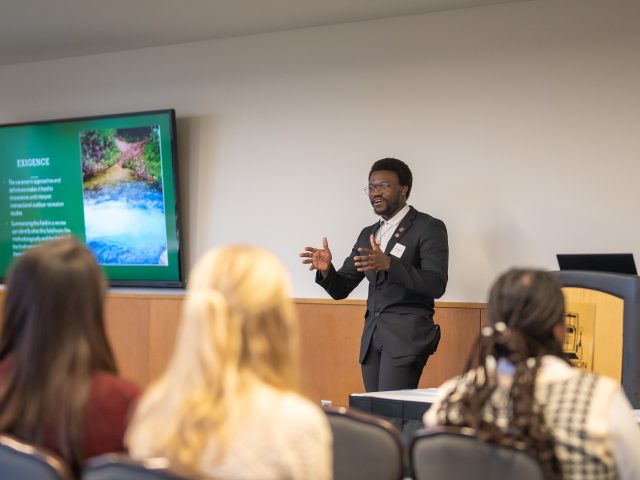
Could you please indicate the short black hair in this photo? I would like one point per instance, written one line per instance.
(394, 165)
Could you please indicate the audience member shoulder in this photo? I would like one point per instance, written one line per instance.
(113, 386)
(292, 411)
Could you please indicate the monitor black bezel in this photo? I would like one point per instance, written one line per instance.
(180, 283)
(593, 262)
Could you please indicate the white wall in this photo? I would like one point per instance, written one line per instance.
(521, 123)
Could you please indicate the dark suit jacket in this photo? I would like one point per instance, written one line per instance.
(400, 301)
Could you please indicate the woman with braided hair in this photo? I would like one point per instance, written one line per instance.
(520, 390)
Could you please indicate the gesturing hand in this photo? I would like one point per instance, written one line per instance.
(371, 259)
(318, 258)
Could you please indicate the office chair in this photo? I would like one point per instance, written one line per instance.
(443, 453)
(20, 460)
(364, 447)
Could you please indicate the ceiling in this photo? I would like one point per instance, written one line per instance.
(34, 30)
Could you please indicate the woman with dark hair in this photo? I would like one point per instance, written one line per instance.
(519, 389)
(58, 383)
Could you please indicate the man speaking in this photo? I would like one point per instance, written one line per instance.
(405, 258)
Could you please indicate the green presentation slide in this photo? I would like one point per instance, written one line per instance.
(107, 180)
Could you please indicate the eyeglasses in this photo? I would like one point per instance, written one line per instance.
(380, 187)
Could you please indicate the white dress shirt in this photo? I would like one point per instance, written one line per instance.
(388, 227)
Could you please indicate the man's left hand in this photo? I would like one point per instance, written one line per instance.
(371, 259)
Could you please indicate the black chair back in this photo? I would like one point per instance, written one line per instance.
(20, 460)
(443, 454)
(364, 447)
(112, 466)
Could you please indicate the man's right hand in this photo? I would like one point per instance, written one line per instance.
(318, 258)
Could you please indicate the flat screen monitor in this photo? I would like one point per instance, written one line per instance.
(598, 262)
(109, 180)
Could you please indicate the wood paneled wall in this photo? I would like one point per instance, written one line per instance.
(142, 330)
(330, 343)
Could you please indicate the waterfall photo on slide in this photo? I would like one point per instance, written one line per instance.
(124, 209)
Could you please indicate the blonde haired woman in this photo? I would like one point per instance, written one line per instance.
(226, 406)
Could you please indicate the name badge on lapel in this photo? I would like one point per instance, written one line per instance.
(397, 250)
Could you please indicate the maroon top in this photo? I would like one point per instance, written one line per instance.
(111, 402)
